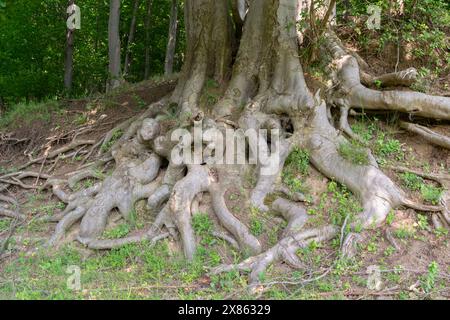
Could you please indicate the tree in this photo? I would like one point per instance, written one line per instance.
(115, 73)
(265, 88)
(131, 37)
(68, 64)
(147, 39)
(172, 40)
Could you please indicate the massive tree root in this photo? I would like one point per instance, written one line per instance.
(266, 91)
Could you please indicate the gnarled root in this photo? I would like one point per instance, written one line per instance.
(427, 134)
(356, 95)
(403, 78)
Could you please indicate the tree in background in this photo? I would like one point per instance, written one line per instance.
(115, 69)
(172, 40)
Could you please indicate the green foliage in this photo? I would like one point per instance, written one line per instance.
(387, 147)
(428, 281)
(116, 136)
(422, 26)
(403, 233)
(25, 113)
(256, 226)
(118, 232)
(431, 194)
(343, 204)
(354, 153)
(298, 160)
(296, 164)
(202, 223)
(256, 222)
(33, 41)
(412, 181)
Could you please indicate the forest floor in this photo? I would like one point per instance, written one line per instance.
(413, 257)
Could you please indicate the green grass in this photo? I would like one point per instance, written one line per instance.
(119, 231)
(431, 194)
(411, 181)
(295, 167)
(386, 147)
(25, 113)
(403, 233)
(428, 281)
(354, 153)
(298, 160)
(116, 136)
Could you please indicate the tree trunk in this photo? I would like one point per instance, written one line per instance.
(264, 91)
(130, 38)
(68, 61)
(115, 74)
(172, 39)
(147, 39)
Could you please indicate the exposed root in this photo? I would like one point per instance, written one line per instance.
(403, 78)
(285, 251)
(73, 145)
(294, 196)
(247, 242)
(355, 95)
(198, 180)
(5, 212)
(441, 218)
(344, 125)
(427, 134)
(291, 212)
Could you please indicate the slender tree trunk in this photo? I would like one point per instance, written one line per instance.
(130, 38)
(172, 40)
(147, 39)
(68, 64)
(114, 45)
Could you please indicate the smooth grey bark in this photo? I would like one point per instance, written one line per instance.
(172, 40)
(266, 87)
(130, 38)
(115, 73)
(68, 61)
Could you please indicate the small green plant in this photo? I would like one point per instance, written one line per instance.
(203, 227)
(256, 226)
(422, 221)
(441, 232)
(140, 102)
(118, 232)
(378, 83)
(390, 218)
(116, 136)
(343, 204)
(298, 160)
(411, 181)
(354, 153)
(372, 247)
(202, 224)
(428, 281)
(389, 251)
(386, 147)
(81, 119)
(403, 233)
(431, 194)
